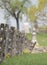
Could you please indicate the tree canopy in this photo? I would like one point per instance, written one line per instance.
(14, 8)
(33, 10)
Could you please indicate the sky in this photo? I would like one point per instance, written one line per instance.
(34, 2)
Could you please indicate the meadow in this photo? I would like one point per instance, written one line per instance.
(27, 59)
(41, 38)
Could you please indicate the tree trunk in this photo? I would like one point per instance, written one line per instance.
(17, 21)
(36, 26)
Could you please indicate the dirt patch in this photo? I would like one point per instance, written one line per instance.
(39, 49)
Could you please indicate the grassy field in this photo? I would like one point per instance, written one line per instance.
(27, 59)
(41, 38)
(29, 36)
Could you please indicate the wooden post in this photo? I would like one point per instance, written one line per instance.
(1, 42)
(6, 40)
(34, 36)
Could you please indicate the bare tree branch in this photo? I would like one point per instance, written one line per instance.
(3, 5)
(18, 13)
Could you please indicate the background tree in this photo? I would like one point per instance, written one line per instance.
(14, 8)
(32, 16)
(41, 4)
(34, 11)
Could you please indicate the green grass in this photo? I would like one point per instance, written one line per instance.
(29, 36)
(41, 38)
(27, 59)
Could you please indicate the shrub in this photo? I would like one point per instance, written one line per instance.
(26, 51)
(8, 55)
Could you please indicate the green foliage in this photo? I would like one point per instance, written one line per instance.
(26, 51)
(32, 12)
(41, 4)
(33, 9)
(8, 55)
(28, 59)
(15, 4)
(42, 27)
